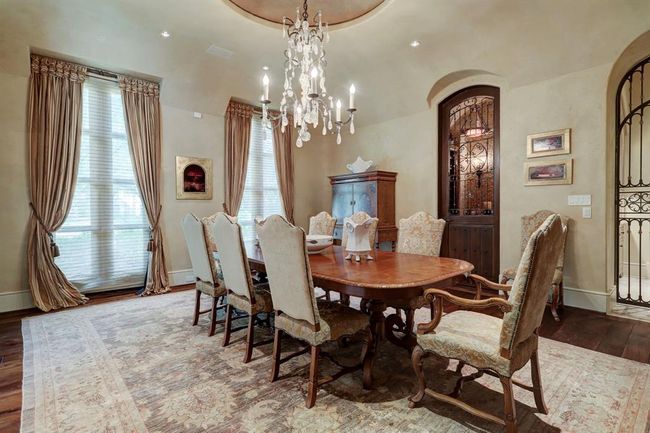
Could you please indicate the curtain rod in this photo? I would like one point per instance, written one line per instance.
(102, 74)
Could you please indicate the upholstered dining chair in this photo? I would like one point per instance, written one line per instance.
(206, 270)
(242, 293)
(530, 223)
(297, 313)
(494, 346)
(322, 224)
(421, 234)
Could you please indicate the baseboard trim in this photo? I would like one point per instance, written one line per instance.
(181, 277)
(14, 301)
(585, 299)
(22, 299)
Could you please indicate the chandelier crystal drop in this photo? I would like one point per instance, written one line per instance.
(305, 94)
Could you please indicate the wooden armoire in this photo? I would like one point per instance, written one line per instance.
(372, 192)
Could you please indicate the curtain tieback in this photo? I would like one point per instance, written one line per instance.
(153, 228)
(54, 248)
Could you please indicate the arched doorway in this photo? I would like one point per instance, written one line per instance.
(632, 186)
(469, 177)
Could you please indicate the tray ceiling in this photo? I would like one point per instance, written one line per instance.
(333, 12)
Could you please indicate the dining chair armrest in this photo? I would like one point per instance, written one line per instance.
(482, 281)
(436, 296)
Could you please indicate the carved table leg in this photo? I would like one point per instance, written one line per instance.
(408, 340)
(377, 320)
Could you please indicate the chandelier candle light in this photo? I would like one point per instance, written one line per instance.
(305, 60)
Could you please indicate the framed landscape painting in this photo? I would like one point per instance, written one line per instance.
(549, 143)
(193, 178)
(556, 172)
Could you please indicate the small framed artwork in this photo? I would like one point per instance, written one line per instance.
(553, 172)
(193, 178)
(549, 143)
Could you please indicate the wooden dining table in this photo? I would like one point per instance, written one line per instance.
(388, 279)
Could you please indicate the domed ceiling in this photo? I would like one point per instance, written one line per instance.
(334, 12)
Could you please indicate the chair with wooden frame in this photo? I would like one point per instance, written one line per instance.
(242, 293)
(421, 234)
(358, 218)
(322, 224)
(530, 223)
(206, 271)
(498, 347)
(298, 314)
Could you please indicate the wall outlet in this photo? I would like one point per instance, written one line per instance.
(586, 212)
(197, 115)
(579, 200)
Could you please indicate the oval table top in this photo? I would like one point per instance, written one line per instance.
(389, 276)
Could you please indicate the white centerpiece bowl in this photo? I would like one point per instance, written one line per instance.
(317, 243)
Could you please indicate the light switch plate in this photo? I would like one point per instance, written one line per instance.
(586, 212)
(579, 200)
(197, 115)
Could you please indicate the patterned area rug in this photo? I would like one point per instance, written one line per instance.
(139, 366)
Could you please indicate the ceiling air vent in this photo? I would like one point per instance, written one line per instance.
(219, 52)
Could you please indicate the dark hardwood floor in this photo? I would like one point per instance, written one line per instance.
(615, 336)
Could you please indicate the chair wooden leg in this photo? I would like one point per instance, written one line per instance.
(227, 326)
(275, 368)
(555, 302)
(537, 384)
(213, 317)
(197, 307)
(312, 389)
(250, 339)
(345, 300)
(327, 295)
(417, 360)
(509, 405)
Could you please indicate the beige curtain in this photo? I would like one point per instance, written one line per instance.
(238, 134)
(142, 116)
(283, 148)
(54, 125)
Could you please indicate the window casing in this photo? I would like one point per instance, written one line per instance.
(103, 240)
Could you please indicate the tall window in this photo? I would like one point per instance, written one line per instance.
(261, 193)
(103, 240)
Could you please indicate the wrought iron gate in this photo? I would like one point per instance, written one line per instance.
(633, 187)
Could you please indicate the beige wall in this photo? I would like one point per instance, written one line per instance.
(408, 145)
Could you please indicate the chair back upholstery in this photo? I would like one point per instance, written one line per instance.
(530, 223)
(322, 224)
(287, 267)
(359, 217)
(208, 228)
(202, 264)
(232, 256)
(530, 287)
(421, 234)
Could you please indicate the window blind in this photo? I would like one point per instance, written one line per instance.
(261, 192)
(103, 240)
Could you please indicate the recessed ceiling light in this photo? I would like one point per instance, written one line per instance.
(165, 34)
(415, 43)
(265, 68)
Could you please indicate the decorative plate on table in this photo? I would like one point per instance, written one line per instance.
(318, 243)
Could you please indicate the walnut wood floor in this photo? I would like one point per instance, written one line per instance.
(612, 335)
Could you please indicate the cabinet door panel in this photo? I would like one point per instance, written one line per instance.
(342, 201)
(365, 198)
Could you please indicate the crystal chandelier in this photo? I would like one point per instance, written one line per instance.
(307, 99)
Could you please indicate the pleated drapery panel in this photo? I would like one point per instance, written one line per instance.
(238, 133)
(283, 150)
(141, 101)
(54, 125)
